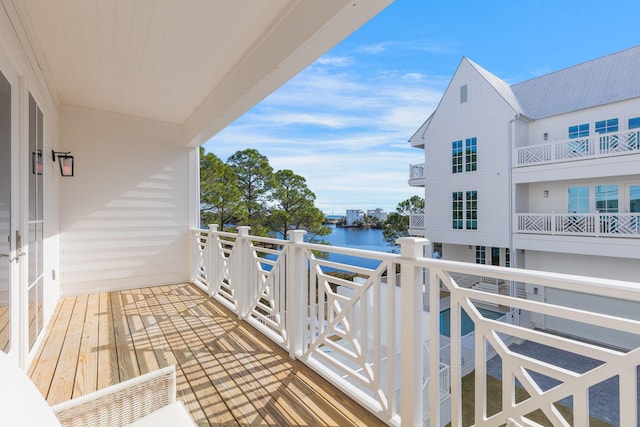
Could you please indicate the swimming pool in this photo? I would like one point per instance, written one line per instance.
(467, 323)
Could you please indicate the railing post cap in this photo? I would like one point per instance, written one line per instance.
(213, 227)
(296, 236)
(412, 247)
(243, 230)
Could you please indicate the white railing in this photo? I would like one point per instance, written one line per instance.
(589, 224)
(278, 285)
(416, 171)
(599, 145)
(416, 221)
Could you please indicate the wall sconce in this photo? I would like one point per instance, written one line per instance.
(37, 166)
(65, 161)
(546, 194)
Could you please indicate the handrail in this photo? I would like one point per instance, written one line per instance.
(362, 324)
(593, 146)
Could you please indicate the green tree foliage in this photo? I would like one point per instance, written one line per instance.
(397, 223)
(413, 205)
(255, 181)
(246, 191)
(294, 206)
(220, 201)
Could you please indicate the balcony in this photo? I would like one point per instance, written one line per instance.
(227, 372)
(417, 177)
(595, 146)
(416, 225)
(370, 337)
(573, 224)
(267, 335)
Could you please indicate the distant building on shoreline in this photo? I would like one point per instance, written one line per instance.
(378, 213)
(354, 217)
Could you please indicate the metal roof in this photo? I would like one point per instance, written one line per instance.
(603, 80)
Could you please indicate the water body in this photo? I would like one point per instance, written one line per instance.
(368, 239)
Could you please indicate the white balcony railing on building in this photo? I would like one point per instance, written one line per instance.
(416, 171)
(277, 286)
(416, 221)
(583, 224)
(599, 145)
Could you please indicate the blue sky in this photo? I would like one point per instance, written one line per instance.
(343, 123)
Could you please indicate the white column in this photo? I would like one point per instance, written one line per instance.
(296, 283)
(411, 345)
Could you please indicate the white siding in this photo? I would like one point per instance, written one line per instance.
(595, 266)
(125, 214)
(485, 116)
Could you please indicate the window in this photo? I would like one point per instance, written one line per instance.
(507, 257)
(456, 156)
(463, 94)
(608, 143)
(457, 210)
(481, 256)
(634, 123)
(607, 126)
(578, 200)
(467, 161)
(464, 210)
(579, 131)
(581, 146)
(471, 154)
(471, 210)
(607, 198)
(495, 256)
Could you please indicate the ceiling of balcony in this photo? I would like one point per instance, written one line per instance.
(200, 63)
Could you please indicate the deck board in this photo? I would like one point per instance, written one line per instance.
(227, 372)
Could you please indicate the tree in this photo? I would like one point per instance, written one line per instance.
(255, 180)
(294, 206)
(220, 201)
(397, 223)
(413, 205)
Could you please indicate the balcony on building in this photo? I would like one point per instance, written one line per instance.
(608, 147)
(417, 176)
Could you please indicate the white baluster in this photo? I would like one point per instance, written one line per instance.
(296, 284)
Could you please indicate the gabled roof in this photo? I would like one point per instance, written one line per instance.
(502, 87)
(604, 80)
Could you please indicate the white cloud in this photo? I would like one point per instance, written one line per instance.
(335, 61)
(375, 48)
(346, 132)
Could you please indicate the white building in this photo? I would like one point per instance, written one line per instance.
(543, 174)
(378, 213)
(354, 217)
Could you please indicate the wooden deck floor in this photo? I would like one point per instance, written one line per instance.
(228, 374)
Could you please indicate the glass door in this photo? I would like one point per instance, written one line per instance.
(36, 223)
(7, 256)
(634, 198)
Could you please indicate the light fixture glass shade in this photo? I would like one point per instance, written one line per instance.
(66, 165)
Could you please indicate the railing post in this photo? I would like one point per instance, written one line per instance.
(412, 341)
(295, 301)
(212, 262)
(242, 272)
